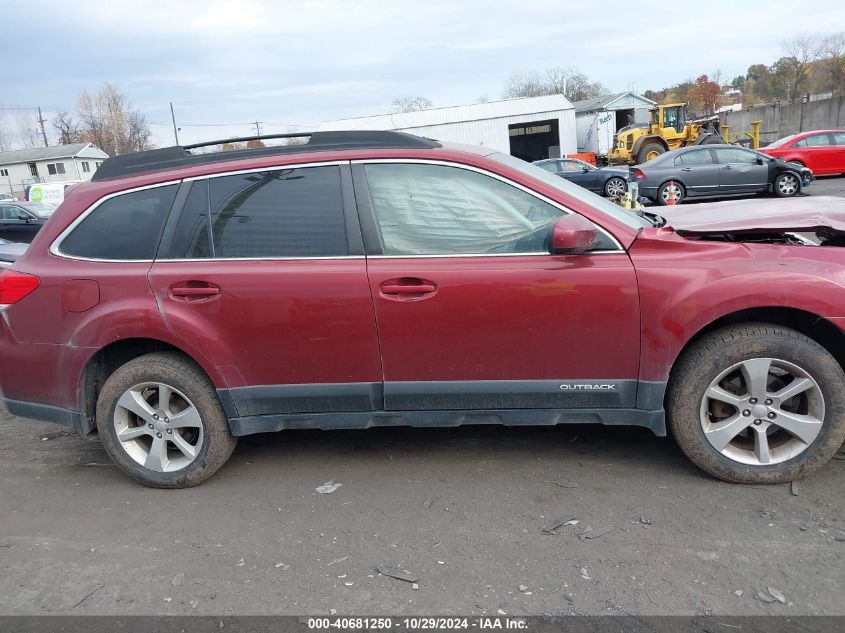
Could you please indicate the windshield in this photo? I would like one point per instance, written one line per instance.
(41, 209)
(781, 141)
(597, 202)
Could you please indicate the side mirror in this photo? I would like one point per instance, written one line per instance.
(24, 217)
(759, 160)
(572, 234)
(585, 169)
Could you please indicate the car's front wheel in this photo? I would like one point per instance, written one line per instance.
(161, 422)
(615, 187)
(757, 403)
(787, 185)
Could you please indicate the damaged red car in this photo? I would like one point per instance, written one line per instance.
(181, 300)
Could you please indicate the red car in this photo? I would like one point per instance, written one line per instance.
(179, 301)
(823, 151)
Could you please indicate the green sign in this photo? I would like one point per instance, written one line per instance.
(36, 193)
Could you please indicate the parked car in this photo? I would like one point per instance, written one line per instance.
(717, 170)
(179, 301)
(20, 221)
(5, 197)
(51, 192)
(605, 181)
(9, 252)
(823, 151)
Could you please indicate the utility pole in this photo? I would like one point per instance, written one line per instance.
(43, 131)
(173, 118)
(258, 128)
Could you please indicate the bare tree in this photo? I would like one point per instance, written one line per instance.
(67, 128)
(107, 120)
(803, 49)
(411, 104)
(570, 82)
(28, 134)
(833, 64)
(4, 134)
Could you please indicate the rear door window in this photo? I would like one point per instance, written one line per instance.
(281, 213)
(127, 227)
(839, 138)
(698, 157)
(814, 140)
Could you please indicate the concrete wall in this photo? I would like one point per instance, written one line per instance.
(783, 119)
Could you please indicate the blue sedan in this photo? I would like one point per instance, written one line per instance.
(605, 181)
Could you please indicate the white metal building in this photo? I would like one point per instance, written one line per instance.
(62, 163)
(598, 119)
(530, 128)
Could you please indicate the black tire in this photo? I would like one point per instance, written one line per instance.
(645, 150)
(179, 372)
(613, 184)
(709, 139)
(663, 193)
(717, 351)
(787, 185)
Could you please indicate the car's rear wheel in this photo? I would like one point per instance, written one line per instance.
(757, 403)
(671, 192)
(615, 187)
(787, 185)
(161, 422)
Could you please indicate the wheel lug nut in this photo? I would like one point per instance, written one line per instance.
(159, 434)
(151, 426)
(757, 422)
(753, 401)
(768, 401)
(746, 413)
(170, 431)
(772, 415)
(155, 416)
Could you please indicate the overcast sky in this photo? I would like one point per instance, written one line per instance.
(225, 63)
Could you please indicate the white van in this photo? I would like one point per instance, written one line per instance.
(51, 193)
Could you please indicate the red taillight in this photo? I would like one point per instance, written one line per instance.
(638, 174)
(14, 286)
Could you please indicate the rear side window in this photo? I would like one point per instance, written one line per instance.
(271, 214)
(814, 140)
(127, 227)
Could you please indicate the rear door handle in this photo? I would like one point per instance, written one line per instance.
(727, 167)
(194, 290)
(686, 168)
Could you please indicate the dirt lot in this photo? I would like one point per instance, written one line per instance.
(463, 509)
(257, 538)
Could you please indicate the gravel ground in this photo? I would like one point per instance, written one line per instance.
(463, 509)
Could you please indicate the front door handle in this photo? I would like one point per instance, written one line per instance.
(407, 288)
(727, 167)
(686, 168)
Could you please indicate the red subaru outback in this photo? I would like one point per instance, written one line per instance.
(179, 301)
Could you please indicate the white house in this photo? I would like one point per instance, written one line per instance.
(530, 128)
(62, 163)
(597, 120)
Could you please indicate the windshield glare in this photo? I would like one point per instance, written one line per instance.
(782, 141)
(597, 202)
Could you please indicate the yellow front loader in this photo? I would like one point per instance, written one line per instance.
(668, 129)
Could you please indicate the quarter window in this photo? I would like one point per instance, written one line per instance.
(441, 210)
(272, 214)
(127, 227)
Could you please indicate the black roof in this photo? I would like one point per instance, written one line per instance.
(178, 156)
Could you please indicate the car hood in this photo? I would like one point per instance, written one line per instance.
(10, 251)
(759, 215)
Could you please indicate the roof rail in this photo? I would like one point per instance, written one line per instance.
(180, 156)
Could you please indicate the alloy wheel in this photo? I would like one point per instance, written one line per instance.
(615, 187)
(762, 411)
(788, 185)
(671, 192)
(158, 427)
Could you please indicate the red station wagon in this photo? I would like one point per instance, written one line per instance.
(823, 151)
(179, 301)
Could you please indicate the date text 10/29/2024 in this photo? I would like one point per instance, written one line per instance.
(416, 623)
